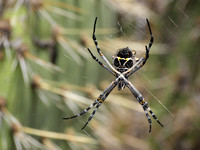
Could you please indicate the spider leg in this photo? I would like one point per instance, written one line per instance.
(152, 114)
(91, 116)
(148, 117)
(144, 104)
(98, 100)
(140, 63)
(104, 66)
(95, 102)
(151, 39)
(84, 111)
(113, 85)
(150, 43)
(99, 50)
(146, 113)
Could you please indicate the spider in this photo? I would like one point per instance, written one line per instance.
(124, 65)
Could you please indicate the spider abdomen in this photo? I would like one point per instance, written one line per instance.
(124, 59)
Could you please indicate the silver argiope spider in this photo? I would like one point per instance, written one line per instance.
(125, 64)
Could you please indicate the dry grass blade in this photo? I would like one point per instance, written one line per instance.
(50, 145)
(7, 47)
(65, 5)
(18, 4)
(65, 93)
(43, 97)
(59, 136)
(130, 9)
(68, 49)
(136, 143)
(24, 70)
(77, 47)
(26, 141)
(64, 13)
(48, 17)
(43, 63)
(21, 139)
(17, 143)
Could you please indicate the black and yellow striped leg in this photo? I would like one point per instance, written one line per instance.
(140, 65)
(99, 50)
(134, 70)
(153, 115)
(91, 116)
(104, 66)
(151, 39)
(144, 104)
(95, 102)
(150, 43)
(137, 96)
(146, 56)
(142, 60)
(84, 111)
(148, 117)
(101, 101)
(95, 39)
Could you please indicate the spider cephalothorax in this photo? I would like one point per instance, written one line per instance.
(124, 65)
(124, 59)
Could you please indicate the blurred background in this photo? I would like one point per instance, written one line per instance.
(46, 74)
